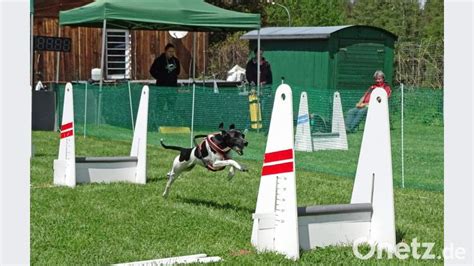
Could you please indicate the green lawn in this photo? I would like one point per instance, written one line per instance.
(206, 213)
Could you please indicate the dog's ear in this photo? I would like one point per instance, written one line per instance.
(221, 126)
(232, 126)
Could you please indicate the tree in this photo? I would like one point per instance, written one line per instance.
(433, 35)
(433, 20)
(399, 17)
(306, 13)
(247, 6)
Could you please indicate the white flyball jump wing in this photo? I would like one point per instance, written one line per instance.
(368, 218)
(65, 165)
(139, 142)
(338, 123)
(307, 141)
(374, 182)
(303, 140)
(275, 226)
(69, 170)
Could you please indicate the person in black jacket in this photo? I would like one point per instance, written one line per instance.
(265, 70)
(165, 69)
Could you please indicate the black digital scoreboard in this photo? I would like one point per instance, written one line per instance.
(47, 43)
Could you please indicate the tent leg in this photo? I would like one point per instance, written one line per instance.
(194, 87)
(101, 71)
(131, 107)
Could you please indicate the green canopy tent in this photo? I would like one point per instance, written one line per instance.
(190, 15)
(187, 15)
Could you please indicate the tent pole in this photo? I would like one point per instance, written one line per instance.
(194, 86)
(79, 52)
(131, 107)
(101, 69)
(204, 35)
(258, 62)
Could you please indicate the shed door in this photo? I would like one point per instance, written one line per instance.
(356, 62)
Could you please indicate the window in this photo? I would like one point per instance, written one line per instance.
(118, 51)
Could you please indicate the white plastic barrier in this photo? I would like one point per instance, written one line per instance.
(70, 170)
(198, 258)
(307, 141)
(370, 217)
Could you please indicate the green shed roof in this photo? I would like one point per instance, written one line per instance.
(294, 33)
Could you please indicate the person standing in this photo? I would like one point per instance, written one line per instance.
(266, 77)
(355, 115)
(165, 69)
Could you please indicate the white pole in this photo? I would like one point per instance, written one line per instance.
(85, 112)
(258, 78)
(79, 52)
(258, 63)
(32, 51)
(402, 132)
(131, 107)
(57, 58)
(194, 87)
(101, 69)
(204, 35)
(56, 125)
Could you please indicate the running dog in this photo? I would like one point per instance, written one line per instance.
(213, 153)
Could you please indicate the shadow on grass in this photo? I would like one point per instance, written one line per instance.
(399, 235)
(155, 179)
(215, 205)
(40, 154)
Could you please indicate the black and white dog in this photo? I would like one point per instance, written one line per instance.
(213, 153)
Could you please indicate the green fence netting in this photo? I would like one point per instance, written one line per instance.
(418, 163)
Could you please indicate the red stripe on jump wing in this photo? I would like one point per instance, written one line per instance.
(277, 169)
(66, 126)
(67, 134)
(278, 156)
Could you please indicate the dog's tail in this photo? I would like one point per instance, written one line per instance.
(170, 147)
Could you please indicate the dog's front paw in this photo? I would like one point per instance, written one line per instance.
(244, 168)
(230, 175)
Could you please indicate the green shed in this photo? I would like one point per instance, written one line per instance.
(322, 60)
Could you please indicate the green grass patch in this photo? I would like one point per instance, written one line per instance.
(205, 213)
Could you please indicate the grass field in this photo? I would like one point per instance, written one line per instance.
(206, 213)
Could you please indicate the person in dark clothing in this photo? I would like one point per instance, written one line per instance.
(265, 70)
(165, 69)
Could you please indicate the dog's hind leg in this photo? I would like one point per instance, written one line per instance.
(171, 178)
(172, 175)
(176, 170)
